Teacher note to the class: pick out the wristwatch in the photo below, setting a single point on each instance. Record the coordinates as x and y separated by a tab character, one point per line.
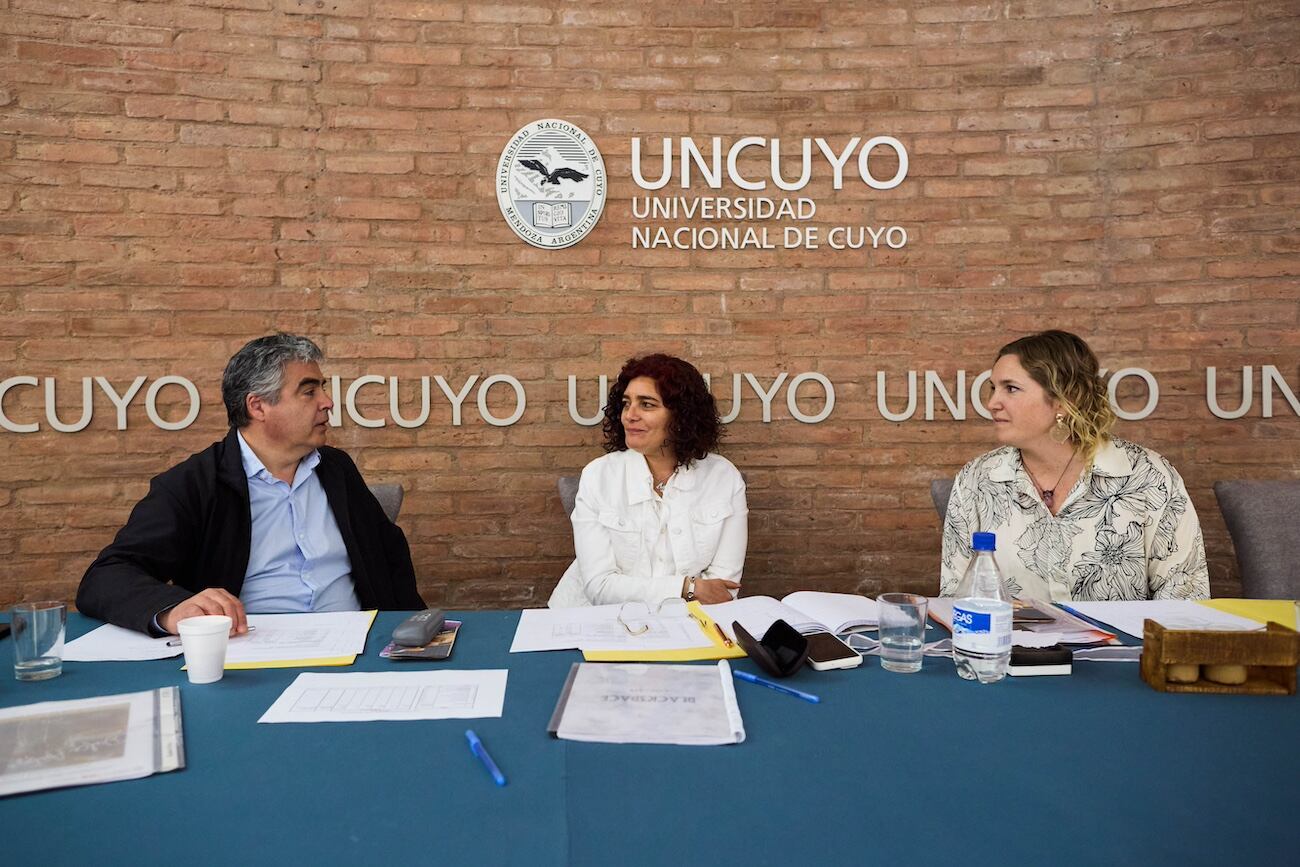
689	593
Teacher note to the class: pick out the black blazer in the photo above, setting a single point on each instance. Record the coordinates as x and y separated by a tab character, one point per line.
192	531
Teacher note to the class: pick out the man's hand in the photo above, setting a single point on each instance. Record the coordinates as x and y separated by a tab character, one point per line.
710	591
214	600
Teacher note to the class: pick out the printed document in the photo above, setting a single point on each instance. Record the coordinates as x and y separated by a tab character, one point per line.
334	637
1169	613
92	740
391	695
300	639
599	628
635	703
111	643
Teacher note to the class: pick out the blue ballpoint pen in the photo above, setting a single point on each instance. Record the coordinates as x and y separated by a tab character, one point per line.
745	675
476	747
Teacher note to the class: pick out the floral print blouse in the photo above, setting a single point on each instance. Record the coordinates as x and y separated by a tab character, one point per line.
1126	530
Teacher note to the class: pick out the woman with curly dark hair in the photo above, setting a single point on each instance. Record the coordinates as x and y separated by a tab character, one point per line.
662	514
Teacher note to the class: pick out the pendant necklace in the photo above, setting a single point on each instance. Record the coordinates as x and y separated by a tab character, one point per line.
1049	494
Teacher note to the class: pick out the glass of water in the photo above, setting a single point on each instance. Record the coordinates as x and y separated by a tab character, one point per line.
902	631
38	639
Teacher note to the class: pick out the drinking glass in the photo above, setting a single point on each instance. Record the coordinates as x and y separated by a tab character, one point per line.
38	630
902	631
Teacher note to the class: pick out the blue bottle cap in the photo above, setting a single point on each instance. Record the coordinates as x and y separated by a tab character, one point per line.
984	542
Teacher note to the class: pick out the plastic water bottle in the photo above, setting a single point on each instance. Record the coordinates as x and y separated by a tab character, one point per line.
981	616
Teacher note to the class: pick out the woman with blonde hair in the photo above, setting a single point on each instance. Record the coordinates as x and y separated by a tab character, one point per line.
1078	514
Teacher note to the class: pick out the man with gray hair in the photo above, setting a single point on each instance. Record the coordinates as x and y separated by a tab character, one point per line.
270	519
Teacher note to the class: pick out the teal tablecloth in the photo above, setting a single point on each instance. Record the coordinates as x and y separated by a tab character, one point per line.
1095	768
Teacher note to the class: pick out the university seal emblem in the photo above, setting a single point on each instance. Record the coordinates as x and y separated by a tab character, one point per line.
551	184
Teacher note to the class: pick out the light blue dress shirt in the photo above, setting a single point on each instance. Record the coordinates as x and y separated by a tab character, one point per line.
297	560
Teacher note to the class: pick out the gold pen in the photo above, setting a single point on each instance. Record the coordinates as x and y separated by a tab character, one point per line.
725	640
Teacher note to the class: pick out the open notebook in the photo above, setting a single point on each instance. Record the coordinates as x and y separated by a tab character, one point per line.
806	610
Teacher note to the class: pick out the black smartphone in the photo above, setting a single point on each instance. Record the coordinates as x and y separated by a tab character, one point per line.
825	652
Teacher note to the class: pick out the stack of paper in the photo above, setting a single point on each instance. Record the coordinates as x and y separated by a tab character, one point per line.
1169	613
274	641
299	640
599	628
1064	628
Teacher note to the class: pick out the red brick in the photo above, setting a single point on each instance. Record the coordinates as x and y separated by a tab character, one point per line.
419	10
1142	182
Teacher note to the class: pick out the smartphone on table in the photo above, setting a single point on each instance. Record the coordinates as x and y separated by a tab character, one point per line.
826	652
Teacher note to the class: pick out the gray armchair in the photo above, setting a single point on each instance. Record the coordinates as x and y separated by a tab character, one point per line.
1263	518
390	498
568	493
940	491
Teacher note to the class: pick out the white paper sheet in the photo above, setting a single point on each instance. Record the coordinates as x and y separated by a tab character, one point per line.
598	628
111	643
1169	613
287	637
393	695
276	638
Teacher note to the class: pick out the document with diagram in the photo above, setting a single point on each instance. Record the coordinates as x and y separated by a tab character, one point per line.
393	695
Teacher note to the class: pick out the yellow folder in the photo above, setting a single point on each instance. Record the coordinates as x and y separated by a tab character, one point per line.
1281	611
719	650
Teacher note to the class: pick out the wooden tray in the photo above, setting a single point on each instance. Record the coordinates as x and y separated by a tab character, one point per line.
1270	658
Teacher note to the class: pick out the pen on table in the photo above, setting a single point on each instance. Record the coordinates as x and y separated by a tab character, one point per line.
176	642
476	747
745	675
725	640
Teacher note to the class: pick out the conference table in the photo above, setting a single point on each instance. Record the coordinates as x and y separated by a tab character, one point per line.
1093	768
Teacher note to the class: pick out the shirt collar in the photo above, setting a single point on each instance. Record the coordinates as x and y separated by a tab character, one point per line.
254	468
1006	466
1110	460
640	482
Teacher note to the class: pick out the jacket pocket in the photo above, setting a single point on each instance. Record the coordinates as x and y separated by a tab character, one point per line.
624	537
707	520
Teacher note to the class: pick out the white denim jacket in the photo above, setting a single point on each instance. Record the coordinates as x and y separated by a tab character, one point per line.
631	548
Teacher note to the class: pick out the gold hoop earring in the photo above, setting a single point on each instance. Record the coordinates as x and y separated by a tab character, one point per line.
1060	432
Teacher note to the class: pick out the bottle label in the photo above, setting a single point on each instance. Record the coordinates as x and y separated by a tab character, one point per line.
971	621
982	632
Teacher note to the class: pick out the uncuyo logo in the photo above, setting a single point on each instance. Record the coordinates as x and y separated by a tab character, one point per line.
551	183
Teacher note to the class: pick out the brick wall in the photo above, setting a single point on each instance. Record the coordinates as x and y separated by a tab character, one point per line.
178	177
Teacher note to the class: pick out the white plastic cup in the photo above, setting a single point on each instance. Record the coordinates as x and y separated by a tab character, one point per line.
204	640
